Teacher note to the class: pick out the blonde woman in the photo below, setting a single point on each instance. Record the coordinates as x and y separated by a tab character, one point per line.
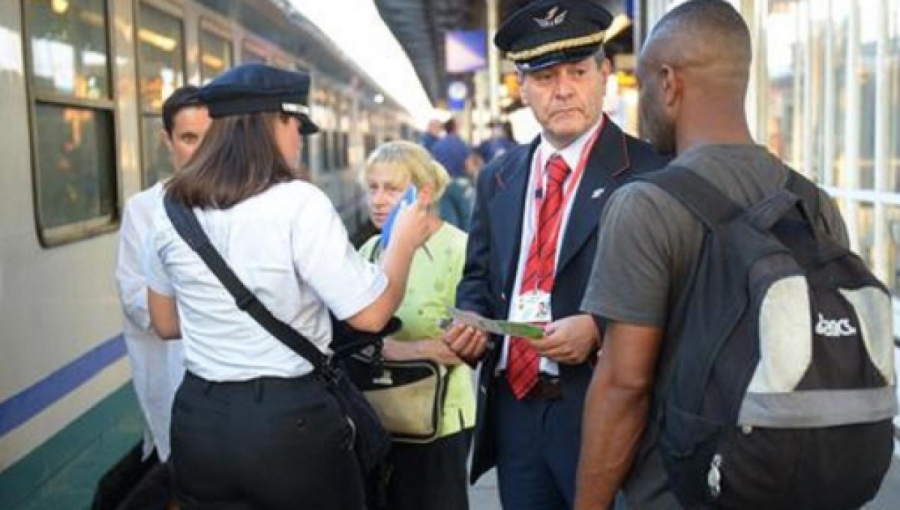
430	476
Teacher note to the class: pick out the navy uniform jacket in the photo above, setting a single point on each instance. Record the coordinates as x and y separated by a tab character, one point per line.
493	251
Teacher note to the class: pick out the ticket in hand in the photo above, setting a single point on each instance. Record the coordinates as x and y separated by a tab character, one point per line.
519	329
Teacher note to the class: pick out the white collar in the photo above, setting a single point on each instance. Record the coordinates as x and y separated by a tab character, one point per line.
571	153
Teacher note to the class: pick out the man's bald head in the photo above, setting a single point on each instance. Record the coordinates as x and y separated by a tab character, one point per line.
693	73
705	37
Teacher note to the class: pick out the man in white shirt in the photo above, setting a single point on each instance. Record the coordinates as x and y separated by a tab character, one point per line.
157	366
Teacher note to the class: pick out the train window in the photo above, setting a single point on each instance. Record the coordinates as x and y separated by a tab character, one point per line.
304	152
252	55
369	143
161	53
892	67
161	71
892	234
72	123
76	169
69	49
865	223
156	161
283	63
215	55
865	85
335	150
326	151
843	167
345	149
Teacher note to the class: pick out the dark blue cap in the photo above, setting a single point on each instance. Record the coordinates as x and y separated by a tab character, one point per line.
549	32
256	88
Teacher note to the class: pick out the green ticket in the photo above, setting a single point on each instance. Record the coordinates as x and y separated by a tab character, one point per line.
520	329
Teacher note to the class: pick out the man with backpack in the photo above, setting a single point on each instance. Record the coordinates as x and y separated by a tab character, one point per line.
747	358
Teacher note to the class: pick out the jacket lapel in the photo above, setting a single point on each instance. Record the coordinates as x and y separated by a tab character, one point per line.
606	165
507	207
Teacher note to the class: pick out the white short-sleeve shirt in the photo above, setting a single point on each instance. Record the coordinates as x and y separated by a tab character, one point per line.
289	247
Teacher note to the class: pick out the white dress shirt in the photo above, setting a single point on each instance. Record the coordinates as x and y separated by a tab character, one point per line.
572	156
157	366
289	247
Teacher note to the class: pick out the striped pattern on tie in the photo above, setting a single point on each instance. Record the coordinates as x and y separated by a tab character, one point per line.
540	269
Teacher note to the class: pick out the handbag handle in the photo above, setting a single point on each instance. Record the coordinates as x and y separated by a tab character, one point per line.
185	222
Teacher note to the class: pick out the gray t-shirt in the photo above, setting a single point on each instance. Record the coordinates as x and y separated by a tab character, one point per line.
648	243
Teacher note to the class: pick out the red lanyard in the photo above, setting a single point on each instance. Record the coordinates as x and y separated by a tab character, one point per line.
569	189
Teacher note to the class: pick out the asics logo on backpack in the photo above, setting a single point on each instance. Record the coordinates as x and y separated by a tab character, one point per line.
834	327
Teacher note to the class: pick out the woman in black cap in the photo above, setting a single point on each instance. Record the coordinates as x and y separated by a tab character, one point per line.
251	426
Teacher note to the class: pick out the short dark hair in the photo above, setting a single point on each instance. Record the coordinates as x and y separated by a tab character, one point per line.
450	126
183	97
709	22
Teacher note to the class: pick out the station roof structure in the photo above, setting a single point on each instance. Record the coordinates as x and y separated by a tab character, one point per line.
420	26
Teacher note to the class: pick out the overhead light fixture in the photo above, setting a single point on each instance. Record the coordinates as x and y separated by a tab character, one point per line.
92	18
59	6
154	39
212	61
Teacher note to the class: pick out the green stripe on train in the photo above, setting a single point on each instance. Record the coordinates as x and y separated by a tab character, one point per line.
64	471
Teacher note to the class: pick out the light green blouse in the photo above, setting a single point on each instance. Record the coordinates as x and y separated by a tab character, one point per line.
431	288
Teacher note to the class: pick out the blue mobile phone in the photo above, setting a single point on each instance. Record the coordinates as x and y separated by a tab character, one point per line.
409	197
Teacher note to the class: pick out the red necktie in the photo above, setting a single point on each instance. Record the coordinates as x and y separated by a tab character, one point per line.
540	269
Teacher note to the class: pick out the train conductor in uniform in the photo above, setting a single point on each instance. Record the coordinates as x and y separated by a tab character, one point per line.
530	250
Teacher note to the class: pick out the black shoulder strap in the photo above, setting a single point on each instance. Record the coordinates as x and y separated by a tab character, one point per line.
704	200
808	193
185	222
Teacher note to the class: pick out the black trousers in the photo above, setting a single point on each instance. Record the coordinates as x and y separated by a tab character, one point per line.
430	476
267	443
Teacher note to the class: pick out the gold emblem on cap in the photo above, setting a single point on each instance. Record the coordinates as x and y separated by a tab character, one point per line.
550	47
551	19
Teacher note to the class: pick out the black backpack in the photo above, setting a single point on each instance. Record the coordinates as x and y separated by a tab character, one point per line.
782	387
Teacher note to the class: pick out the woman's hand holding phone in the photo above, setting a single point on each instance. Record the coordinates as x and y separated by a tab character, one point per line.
410	222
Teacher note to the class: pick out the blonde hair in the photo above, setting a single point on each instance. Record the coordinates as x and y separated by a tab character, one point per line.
410	161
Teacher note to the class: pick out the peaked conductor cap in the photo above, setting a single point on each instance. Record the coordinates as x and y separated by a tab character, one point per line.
256	88
549	32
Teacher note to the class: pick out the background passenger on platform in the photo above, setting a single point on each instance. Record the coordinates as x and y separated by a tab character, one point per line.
693	75
432	134
451	151
499	142
530	250
252	427
157	367
430	476
459	197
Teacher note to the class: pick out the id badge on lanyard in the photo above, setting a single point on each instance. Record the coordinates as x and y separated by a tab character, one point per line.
533	305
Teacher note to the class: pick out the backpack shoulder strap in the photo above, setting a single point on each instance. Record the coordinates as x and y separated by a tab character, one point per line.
808	193
698	195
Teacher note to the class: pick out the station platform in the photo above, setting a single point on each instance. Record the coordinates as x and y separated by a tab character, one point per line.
484	495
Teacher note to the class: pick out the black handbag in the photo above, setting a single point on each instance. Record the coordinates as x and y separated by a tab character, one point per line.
371	442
